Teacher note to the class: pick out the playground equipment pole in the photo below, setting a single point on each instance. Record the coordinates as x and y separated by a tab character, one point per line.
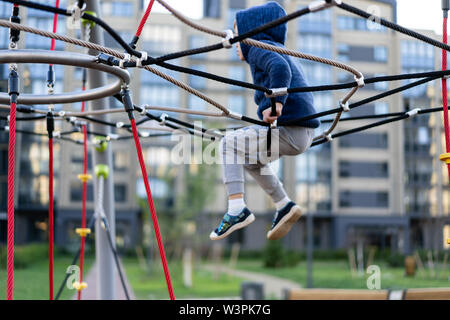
309	232
104	256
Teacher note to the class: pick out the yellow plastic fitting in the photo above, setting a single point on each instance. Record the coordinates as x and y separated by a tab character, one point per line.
79	286
445	157
84	177
83	232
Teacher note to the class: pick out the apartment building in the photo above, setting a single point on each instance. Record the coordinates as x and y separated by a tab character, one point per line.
378	187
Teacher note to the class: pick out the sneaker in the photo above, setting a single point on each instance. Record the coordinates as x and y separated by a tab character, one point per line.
284	220
232	223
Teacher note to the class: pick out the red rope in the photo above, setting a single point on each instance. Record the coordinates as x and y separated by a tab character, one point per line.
10	245
152	209
50	217
444	94
144	18
55	25
50	189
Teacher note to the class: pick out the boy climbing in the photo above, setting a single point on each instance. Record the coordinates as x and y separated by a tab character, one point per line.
271	70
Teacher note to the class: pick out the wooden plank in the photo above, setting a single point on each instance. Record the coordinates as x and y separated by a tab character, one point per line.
337	294
428	294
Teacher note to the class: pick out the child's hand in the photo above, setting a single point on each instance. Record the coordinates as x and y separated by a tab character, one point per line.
267	113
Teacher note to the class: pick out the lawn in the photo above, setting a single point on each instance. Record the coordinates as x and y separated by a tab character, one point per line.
31	283
152	285
336	274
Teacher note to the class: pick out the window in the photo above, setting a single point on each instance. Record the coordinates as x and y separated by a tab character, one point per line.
362	53
319	45
358	24
364	140
76	192
380	54
120	192
363	199
196	81
423	136
318	22
211	8
195	103
118	8
237	104
120	160
360	169
160	39
159	95
237	73
416	54
381	107
197	41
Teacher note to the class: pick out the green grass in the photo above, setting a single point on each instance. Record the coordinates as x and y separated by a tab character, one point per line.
152	285
336	274
31	282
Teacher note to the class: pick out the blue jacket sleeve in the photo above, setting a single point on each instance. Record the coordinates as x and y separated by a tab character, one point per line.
275	67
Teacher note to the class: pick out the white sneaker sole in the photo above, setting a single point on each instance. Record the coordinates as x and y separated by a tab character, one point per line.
237	226
284	226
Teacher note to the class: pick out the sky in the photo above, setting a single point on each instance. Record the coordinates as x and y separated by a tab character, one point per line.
420	14
416	14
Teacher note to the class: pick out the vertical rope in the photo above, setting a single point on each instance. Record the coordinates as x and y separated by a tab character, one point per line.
50	84
10	245
87	31
152	208
144	18
50	218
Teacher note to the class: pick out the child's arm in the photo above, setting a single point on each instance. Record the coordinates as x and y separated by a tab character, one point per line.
275	66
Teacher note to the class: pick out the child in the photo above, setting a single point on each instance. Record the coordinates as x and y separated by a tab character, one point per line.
271	70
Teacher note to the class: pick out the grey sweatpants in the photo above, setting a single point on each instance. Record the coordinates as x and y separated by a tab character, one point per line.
247	148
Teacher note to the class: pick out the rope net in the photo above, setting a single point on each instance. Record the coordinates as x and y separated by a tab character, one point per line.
131	58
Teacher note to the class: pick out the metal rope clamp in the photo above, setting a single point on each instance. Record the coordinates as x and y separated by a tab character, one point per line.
345	106
277	92
126	58
74	21
328	137
360	81
163	119
144	56
226	41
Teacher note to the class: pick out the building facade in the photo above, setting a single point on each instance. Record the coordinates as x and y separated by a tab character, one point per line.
378	187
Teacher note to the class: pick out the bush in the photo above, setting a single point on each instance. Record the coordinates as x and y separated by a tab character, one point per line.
24	255
273	254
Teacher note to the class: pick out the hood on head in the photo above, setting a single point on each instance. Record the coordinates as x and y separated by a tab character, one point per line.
254	17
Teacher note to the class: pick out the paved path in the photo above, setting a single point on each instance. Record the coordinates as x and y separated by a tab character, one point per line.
90	293
274	287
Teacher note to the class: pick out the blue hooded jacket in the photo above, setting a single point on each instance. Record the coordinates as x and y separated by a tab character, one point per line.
274	70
